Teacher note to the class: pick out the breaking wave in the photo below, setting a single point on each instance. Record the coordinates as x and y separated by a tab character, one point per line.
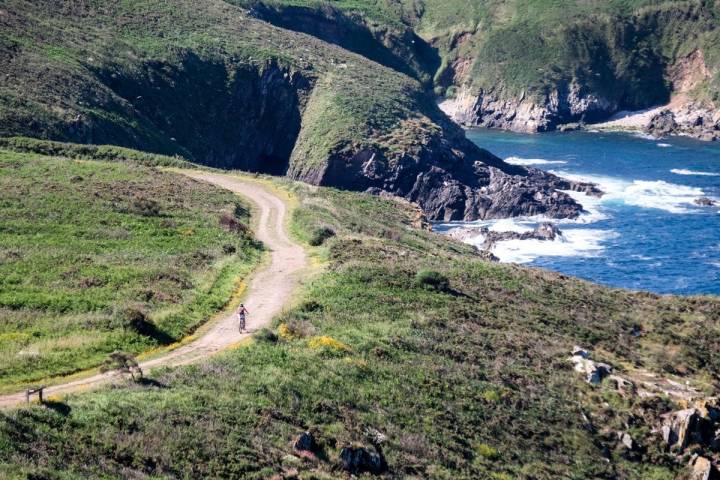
684	171
659	194
532	161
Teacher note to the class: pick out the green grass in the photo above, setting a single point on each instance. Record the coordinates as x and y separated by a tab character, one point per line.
84	242
468	382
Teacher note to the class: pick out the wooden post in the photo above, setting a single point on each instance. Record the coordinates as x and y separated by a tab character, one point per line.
30	391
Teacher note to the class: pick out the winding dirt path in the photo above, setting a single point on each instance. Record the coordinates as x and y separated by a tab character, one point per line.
269	289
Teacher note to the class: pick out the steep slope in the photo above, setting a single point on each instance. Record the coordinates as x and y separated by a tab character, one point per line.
214	84
407	349
533	65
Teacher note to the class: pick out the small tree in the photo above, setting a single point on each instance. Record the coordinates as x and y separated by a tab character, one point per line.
123	363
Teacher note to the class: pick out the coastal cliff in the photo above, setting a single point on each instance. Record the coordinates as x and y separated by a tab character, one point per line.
588	69
214	89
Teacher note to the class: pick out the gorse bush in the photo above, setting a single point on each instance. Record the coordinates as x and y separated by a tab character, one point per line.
432	280
124	363
319	235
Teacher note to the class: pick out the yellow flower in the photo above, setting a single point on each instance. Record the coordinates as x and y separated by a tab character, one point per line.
329	343
285	333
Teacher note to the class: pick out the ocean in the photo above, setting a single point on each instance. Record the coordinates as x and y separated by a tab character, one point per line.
645	233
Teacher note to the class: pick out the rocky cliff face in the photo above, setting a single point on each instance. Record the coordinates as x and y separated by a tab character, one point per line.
526	113
450	178
594	66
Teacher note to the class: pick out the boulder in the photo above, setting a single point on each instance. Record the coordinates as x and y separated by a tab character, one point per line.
662	124
305	442
687	426
705	202
702	469
594	372
360	459
626	440
578	351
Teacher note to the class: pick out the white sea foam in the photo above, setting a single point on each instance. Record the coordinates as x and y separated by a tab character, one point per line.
658	194
533	161
584	242
664	145
572	243
645	136
684	171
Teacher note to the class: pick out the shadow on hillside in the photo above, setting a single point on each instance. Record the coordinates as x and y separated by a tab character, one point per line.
60	407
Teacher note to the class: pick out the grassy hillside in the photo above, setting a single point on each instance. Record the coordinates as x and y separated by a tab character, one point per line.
208	81
99	256
461	373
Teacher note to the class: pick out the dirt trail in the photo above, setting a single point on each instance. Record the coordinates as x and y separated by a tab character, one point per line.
269	288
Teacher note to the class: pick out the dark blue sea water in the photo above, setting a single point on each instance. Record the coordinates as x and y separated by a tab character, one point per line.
645	233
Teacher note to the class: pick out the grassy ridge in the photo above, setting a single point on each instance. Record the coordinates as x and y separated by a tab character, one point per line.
208	82
97	257
465	381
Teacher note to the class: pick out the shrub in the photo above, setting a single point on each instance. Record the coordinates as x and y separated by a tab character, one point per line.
451	92
230	223
486	451
328	344
145	207
319	235
294	329
432	280
134	319
491	396
265	335
123	363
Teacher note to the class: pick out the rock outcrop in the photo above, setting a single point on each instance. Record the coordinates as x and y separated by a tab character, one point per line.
689	118
705	202
450	178
356	460
702	469
527	113
544	231
594	372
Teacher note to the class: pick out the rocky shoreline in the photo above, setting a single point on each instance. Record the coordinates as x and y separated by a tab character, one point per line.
568	109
